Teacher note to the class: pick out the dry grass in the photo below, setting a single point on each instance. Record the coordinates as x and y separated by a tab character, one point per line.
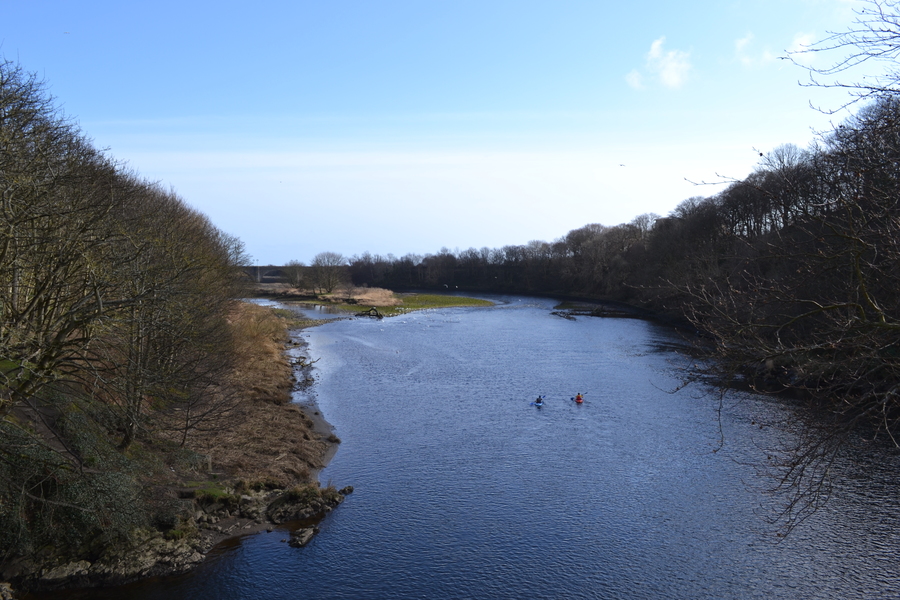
271	445
364	296
267	440
263	372
375	297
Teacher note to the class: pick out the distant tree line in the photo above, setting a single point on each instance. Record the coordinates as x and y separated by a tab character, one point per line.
114	304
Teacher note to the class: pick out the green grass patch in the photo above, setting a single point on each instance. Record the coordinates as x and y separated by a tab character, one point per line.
209	492
303	493
416	301
411	302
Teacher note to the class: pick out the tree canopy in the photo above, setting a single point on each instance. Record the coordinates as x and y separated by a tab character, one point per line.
114	298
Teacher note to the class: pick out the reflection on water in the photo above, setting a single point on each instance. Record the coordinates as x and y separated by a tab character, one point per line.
306	310
317	311
466	490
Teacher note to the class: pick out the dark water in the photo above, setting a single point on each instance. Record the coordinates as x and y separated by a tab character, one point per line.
466	490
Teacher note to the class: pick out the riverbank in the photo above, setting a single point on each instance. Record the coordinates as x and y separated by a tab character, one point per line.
253	469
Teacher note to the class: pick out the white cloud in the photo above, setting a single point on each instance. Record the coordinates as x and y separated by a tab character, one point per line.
748	56
799	48
741	44
635	79
671	67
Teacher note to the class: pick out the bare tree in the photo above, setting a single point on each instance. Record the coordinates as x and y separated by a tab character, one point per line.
873	37
645	223
58	242
167	350
114	298
809	304
294	271
328	270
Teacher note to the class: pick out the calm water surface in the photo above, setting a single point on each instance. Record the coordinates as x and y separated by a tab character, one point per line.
466	490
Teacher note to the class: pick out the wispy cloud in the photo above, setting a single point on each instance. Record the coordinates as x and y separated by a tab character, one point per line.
749	56
635	79
799	48
670	67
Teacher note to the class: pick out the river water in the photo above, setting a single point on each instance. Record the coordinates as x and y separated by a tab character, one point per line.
463	489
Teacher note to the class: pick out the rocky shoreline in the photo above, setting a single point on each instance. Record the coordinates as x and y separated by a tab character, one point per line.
152	554
266	480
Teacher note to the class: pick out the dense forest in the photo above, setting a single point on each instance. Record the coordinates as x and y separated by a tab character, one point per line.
114	305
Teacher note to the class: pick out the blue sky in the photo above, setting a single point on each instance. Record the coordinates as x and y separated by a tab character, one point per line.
403	126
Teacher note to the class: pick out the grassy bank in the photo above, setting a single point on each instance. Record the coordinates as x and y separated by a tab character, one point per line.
411	302
268	441
171	494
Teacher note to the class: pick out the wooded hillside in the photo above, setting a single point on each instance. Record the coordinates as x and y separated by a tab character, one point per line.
116	309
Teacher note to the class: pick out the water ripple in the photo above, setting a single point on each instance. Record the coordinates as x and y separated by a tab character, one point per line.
465	490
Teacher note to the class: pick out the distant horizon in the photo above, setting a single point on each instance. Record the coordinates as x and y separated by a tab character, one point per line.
455	250
402	128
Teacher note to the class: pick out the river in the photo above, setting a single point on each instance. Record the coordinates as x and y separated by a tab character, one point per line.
464	489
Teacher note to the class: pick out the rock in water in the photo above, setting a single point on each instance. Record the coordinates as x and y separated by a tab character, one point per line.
301	537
